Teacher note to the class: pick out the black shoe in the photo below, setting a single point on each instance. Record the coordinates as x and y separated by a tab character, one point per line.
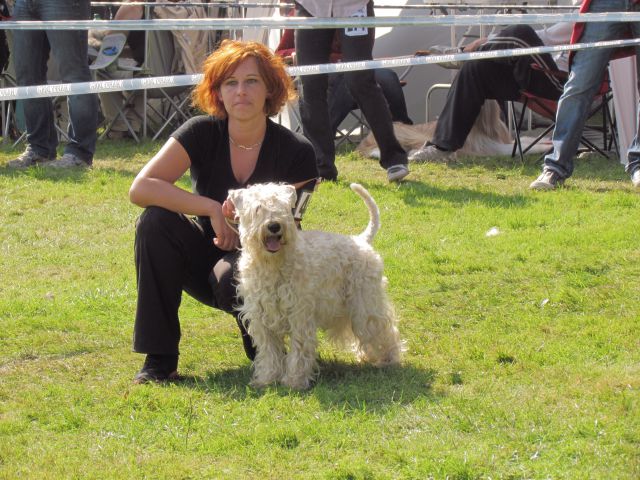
329	174
158	368
247	342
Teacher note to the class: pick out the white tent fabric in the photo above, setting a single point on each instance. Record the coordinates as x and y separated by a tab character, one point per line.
624	81
260	34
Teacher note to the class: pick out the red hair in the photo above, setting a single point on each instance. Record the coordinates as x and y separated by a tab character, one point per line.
221	64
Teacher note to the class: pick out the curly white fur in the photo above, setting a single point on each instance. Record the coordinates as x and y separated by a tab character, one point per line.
293	282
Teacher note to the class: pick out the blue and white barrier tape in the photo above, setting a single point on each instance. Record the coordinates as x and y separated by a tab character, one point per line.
15	93
425	6
311	23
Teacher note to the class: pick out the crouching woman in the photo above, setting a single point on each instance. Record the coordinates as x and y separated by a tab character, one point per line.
182	240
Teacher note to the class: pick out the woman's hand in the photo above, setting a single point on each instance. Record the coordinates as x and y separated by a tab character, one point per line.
229	210
226	239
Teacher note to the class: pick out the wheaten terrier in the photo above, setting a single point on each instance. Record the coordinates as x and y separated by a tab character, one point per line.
292	282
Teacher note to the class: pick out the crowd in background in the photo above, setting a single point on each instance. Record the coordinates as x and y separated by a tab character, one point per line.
324	100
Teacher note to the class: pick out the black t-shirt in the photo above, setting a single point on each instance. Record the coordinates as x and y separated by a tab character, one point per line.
284	156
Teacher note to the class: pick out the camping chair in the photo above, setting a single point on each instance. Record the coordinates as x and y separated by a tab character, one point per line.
547	108
109	64
10	130
352	129
164	107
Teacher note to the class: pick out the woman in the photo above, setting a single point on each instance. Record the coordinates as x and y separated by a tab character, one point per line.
232	147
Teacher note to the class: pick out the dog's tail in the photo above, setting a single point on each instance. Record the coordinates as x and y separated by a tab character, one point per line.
374	213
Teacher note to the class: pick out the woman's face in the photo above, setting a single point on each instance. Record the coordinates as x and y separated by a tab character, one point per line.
244	92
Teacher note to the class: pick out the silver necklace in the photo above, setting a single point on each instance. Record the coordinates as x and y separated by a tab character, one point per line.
245	147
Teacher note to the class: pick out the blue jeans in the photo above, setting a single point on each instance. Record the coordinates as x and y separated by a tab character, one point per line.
587	72
69	48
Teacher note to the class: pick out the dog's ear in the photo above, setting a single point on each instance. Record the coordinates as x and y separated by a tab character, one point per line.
293	196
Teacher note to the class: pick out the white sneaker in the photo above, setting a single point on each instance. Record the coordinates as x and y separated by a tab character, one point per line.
29	158
395	173
69	160
635	177
428	153
548	180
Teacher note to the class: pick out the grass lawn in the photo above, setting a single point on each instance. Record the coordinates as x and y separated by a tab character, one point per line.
523	353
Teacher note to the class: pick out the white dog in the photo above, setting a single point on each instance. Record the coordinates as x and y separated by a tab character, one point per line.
292	282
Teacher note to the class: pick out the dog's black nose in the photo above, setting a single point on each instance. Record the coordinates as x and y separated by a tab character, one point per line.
273	227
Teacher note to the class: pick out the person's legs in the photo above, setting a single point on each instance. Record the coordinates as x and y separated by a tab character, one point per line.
69	50
30	53
369	97
477	81
313	47
393	94
172	254
587	72
340	100
633	153
537	81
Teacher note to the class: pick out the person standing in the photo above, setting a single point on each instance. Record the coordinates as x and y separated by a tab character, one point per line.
313	46
587	69
31	50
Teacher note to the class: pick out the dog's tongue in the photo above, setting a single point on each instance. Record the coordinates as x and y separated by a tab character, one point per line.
272	244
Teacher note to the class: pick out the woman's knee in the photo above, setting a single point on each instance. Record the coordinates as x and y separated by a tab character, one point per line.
155	220
223	283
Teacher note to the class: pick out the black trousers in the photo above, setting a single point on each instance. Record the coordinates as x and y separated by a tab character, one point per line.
173	254
498	79
314	47
341	102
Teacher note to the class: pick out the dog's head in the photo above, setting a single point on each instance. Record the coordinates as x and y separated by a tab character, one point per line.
264	212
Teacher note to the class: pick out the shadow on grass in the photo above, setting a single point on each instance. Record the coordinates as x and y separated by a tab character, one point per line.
591	166
342	385
418	193
74	175
64	175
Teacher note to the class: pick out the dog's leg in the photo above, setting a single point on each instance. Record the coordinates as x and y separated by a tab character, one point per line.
378	340
300	362
268	364
374	325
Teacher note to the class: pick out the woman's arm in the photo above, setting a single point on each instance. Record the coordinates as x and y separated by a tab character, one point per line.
155	185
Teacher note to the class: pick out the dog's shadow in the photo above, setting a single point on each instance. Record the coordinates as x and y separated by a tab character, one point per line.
340	384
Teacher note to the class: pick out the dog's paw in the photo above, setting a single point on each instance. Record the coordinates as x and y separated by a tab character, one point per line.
297	383
258	384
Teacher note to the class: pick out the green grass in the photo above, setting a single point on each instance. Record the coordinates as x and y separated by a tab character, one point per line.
523	353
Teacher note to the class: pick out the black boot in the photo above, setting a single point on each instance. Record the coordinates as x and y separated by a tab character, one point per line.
158	368
247	342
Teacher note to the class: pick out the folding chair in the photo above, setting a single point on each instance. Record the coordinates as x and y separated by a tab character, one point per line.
355	128
164	107
108	65
547	108
10	130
